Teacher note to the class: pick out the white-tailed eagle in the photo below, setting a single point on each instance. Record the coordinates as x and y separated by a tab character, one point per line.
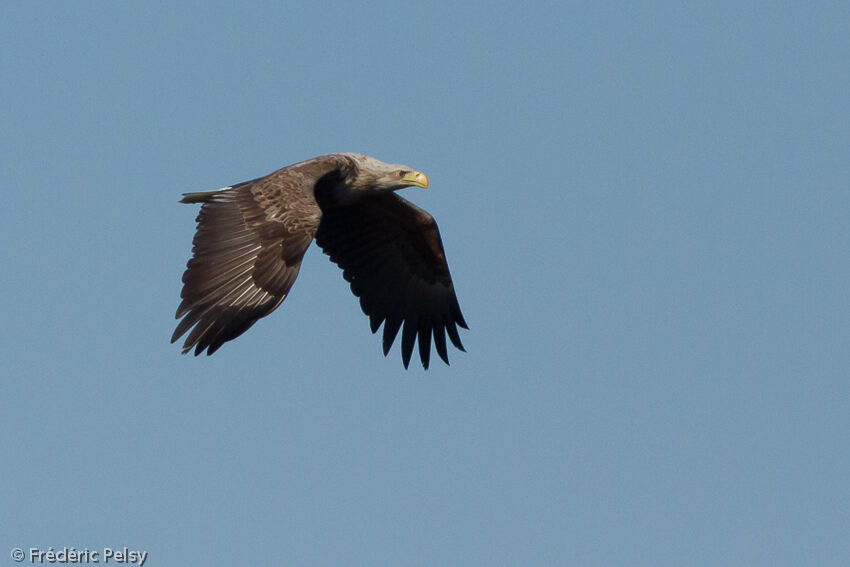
252	236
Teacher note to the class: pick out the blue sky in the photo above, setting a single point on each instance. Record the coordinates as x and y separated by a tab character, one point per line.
645	210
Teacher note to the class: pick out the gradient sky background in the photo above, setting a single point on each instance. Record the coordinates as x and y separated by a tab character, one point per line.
647	216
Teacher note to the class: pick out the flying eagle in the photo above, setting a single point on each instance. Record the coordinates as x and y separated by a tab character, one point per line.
252	236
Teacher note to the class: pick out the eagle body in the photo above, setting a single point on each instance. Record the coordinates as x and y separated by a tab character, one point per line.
252	236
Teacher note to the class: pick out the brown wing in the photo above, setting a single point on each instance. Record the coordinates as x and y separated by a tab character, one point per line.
246	254
391	253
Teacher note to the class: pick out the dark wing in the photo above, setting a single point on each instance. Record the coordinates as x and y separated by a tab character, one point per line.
246	254
391	253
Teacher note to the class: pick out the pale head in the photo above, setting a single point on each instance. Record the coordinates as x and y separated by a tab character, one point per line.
372	175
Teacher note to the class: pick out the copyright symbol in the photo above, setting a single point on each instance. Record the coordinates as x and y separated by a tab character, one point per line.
18	554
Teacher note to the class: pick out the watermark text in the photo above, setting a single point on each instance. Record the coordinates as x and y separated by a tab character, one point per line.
107	555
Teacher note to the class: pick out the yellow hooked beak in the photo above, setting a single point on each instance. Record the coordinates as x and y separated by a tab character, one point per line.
415	179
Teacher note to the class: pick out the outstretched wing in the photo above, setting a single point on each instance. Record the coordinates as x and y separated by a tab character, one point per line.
391	253
246	254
